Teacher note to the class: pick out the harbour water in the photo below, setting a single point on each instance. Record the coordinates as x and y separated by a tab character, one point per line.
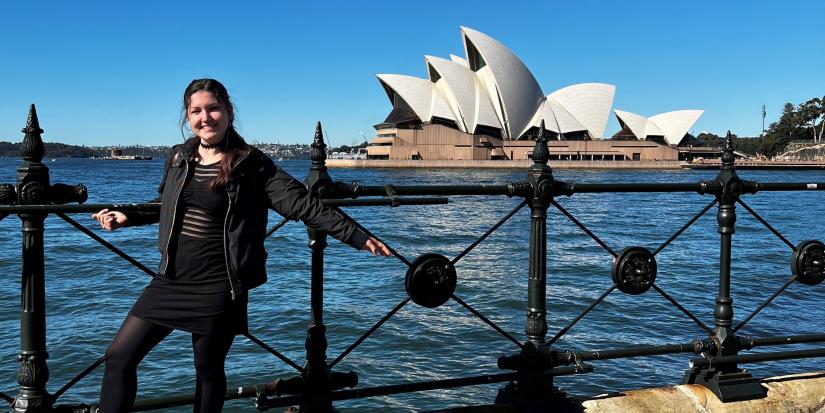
89	290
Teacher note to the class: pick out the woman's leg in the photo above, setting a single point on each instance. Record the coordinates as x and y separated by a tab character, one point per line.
132	342
210	384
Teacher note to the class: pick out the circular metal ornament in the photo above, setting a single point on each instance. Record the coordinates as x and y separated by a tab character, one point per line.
431	280
808	262
634	270
32	192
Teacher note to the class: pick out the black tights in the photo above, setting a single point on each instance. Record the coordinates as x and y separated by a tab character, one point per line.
134	340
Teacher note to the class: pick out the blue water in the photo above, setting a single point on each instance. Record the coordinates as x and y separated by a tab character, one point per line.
90	290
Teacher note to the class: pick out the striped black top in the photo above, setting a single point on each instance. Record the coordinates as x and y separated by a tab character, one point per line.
195	296
199	253
205	209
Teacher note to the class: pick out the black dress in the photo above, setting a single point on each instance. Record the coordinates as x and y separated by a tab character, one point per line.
194	295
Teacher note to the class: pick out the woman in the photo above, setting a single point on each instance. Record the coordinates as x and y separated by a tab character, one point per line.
215	195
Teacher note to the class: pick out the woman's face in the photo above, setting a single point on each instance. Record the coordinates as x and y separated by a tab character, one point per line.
207	117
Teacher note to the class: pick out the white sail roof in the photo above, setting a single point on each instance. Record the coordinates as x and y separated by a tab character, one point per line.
440	107
589	103
417	92
464	94
567	121
460	60
420	95
671	125
636	123
674	125
518	90
545	113
556	118
485	113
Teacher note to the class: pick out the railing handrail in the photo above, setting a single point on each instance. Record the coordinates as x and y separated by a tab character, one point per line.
356	192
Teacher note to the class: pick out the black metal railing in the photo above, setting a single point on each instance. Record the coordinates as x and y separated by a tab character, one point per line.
431	281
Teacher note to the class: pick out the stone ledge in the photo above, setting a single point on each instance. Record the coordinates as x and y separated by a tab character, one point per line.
794	393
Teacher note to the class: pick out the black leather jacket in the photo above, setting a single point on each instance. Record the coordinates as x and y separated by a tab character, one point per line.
256	186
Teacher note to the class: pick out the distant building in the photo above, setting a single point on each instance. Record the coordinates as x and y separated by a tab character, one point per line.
117	153
489	106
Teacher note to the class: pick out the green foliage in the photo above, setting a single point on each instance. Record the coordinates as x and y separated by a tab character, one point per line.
812	113
62	150
745	145
749	146
711	139
51	150
797	123
788	128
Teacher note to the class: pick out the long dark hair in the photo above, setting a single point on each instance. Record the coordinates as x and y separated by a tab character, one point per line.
233	144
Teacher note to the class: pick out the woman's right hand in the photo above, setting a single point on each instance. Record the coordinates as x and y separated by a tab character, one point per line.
110	220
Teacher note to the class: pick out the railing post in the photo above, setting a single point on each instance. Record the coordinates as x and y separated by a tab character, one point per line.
727	381
32	186
540	177
726	220
317	381
534	393
317	378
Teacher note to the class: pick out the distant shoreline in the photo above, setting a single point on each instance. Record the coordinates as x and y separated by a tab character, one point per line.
56	150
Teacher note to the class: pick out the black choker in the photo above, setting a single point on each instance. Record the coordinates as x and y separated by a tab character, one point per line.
210	145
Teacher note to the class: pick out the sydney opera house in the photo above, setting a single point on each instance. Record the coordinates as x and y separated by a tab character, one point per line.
488	106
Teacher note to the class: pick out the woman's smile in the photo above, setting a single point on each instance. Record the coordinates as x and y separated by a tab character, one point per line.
207	117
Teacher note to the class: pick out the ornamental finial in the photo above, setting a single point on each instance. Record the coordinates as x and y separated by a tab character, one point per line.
319	152
32	147
727	155
540	151
542	131
319	135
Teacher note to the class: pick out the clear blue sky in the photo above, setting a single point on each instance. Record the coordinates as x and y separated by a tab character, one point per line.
111	72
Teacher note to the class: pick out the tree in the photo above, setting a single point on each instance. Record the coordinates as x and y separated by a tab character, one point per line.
747	145
810	113
781	132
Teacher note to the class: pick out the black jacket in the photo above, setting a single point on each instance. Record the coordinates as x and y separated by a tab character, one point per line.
257	185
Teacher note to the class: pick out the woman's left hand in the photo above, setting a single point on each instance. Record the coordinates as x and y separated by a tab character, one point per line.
376	247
